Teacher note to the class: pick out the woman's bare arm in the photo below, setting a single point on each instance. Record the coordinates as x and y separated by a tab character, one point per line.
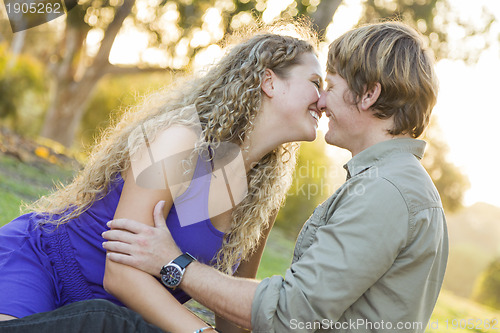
136	289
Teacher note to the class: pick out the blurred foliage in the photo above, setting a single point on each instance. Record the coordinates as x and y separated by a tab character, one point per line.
487	289
77	49
450	181
465	264
311	185
474	243
22	90
435	19
113	95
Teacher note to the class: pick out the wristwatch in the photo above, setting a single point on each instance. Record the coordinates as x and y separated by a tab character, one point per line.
171	273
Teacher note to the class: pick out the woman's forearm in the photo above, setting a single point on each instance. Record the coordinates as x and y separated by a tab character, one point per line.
142	293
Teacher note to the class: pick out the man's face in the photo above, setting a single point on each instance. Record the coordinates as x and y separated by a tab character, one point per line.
345	126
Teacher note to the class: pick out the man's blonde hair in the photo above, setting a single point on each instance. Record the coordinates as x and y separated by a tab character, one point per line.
392	54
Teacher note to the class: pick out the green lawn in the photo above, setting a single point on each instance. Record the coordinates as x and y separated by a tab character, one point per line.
23	183
20	182
277	255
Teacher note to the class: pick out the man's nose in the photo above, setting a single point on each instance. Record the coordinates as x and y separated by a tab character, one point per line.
322	102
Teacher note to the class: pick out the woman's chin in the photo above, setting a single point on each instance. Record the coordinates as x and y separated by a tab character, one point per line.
308	137
312	138
313	135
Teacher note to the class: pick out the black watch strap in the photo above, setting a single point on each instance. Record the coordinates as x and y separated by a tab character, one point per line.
183	260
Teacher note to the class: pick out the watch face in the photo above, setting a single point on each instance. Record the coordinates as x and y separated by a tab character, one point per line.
171	276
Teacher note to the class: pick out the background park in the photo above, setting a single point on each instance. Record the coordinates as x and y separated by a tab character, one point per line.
62	82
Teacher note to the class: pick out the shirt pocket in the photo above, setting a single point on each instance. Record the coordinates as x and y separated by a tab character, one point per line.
308	233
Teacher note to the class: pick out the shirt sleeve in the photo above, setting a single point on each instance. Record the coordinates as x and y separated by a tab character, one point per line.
350	249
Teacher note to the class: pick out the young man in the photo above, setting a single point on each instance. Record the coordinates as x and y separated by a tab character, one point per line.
372	257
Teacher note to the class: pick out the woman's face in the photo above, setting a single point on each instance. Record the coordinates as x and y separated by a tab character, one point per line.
297	97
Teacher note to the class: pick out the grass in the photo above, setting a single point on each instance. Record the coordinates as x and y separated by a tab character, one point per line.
20	182
23	183
456	314
277	255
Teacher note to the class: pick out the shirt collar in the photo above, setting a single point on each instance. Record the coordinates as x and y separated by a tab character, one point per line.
368	157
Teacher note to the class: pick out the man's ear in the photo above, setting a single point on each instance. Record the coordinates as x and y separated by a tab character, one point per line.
370	97
268	82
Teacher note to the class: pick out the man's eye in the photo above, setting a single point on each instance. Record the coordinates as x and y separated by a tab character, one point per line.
316	83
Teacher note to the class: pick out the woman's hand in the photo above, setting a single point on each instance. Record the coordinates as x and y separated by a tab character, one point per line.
141	246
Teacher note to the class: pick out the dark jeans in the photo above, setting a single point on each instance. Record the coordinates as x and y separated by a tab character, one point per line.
92	316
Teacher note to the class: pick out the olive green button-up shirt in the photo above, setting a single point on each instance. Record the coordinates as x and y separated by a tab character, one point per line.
371	258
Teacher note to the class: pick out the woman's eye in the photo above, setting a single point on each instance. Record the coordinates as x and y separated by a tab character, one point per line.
316	83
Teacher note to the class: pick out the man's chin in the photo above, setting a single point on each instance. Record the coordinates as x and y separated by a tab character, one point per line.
328	139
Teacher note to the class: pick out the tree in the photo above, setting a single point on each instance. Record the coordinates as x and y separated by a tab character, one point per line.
320	13
487	289
113	95
180	28
433	19
449	180
73	81
465	264
21	80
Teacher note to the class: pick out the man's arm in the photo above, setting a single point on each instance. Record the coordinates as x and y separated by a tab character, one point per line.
229	297
247	269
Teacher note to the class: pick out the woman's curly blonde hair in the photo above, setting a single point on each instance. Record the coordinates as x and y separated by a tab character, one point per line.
227	99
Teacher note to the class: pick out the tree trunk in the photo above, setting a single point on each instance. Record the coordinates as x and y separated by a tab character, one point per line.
16	47
68	95
66	110
71	94
323	15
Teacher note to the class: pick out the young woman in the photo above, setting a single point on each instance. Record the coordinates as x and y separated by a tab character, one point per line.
260	97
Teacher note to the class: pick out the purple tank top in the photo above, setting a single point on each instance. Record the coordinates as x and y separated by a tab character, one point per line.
79	259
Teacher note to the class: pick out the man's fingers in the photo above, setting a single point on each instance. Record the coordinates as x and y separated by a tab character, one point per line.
119	235
127	224
118	247
158	215
120	258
